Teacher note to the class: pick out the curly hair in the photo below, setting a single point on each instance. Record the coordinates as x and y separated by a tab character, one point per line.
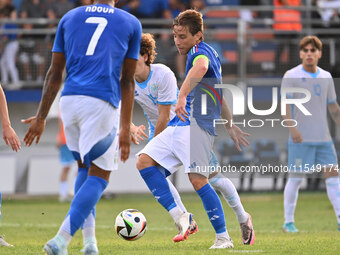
148	46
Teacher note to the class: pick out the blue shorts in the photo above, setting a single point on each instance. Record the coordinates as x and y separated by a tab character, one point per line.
311	157
66	156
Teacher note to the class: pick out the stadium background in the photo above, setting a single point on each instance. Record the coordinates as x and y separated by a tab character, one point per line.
248	50
242	32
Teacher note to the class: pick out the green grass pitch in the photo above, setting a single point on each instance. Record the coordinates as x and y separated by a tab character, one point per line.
28	224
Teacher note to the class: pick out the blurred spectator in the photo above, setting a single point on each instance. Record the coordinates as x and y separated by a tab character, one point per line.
221	2
197	4
329	10
59	8
175	7
288	23
66	161
17	4
148	8
248	15
10	47
82	2
33	45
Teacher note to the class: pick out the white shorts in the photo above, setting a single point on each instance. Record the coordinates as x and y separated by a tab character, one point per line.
171	148
91	129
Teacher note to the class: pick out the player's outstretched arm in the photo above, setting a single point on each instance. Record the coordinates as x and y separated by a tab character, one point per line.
51	87
8	133
195	74
334	110
127	85
235	133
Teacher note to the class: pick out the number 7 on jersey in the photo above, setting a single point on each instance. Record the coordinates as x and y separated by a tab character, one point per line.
102	22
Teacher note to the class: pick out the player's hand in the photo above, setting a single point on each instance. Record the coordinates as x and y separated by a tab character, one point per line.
124	143
238	136
11	138
137	134
35	130
296	135
181	113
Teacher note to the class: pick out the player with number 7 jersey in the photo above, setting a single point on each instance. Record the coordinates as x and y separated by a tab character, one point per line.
98	44
96	39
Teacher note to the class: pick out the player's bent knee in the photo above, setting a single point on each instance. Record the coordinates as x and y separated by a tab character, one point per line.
197	180
213	174
145	161
97	171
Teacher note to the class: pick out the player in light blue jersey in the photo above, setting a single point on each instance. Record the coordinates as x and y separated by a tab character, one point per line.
10	138
310	146
156	92
189	142
97	43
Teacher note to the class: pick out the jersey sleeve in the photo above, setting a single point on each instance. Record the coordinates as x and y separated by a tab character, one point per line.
196	53
287	82
59	42
331	95
167	91
135	40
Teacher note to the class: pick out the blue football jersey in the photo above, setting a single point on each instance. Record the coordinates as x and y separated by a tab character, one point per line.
95	40
214	96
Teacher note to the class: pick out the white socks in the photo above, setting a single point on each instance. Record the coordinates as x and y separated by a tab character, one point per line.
176	213
290	198
176	196
63	238
224	235
229	192
333	192
89	228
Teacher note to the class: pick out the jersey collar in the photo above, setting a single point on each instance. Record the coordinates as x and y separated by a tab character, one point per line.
143	84
313	75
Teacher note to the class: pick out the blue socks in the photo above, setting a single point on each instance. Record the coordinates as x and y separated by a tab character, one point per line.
84	201
81	178
158	186
213	207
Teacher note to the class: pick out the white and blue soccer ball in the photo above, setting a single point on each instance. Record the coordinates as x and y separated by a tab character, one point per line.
130	224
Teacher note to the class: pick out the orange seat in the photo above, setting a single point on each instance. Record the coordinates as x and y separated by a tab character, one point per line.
263	36
226	36
222	14
231	56
259	56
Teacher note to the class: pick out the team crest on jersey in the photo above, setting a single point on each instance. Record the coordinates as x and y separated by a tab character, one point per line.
136	93
317	89
153	88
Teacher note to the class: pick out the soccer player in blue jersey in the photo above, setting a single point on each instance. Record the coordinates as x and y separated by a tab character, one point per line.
189	141
99	45
156	92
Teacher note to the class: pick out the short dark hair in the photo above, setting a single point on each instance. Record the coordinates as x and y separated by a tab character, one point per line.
148	46
192	19
311	39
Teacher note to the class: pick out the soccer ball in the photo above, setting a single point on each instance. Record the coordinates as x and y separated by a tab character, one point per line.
130	224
